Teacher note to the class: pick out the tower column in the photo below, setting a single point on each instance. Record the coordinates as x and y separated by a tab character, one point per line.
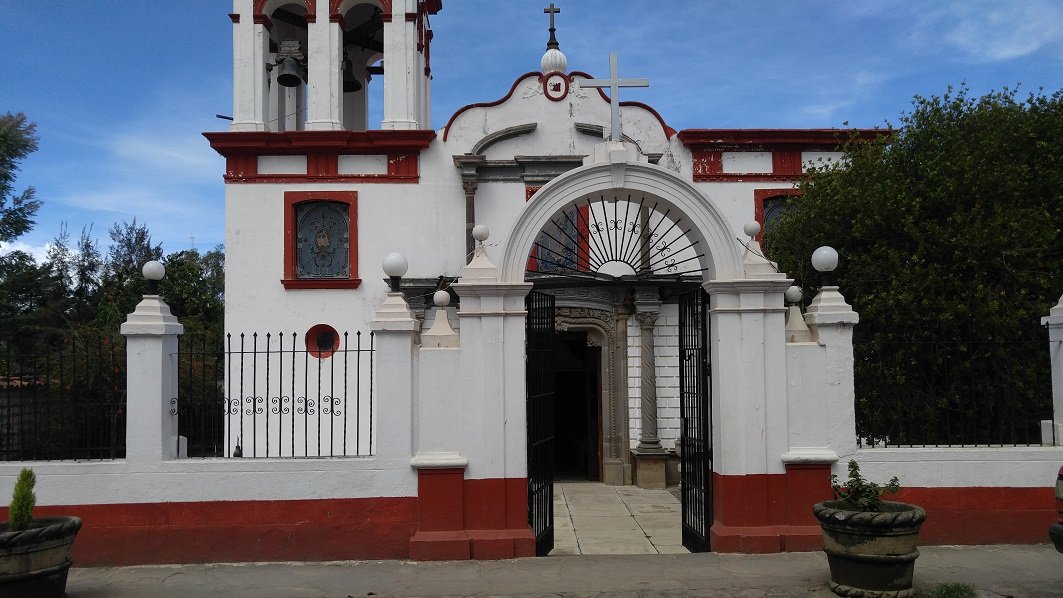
400	80
325	79
250	50
650	457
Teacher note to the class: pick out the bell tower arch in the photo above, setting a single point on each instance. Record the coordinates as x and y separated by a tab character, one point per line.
307	64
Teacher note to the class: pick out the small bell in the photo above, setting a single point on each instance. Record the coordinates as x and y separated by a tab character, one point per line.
288	73
350	83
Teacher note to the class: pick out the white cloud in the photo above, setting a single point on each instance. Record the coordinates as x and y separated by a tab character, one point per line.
991	31
39	252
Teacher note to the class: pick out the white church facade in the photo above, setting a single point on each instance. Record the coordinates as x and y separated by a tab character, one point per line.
577	290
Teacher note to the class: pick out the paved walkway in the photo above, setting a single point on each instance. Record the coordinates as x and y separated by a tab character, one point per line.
592	518
995	571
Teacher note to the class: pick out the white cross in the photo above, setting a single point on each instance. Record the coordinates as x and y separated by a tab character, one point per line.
614	83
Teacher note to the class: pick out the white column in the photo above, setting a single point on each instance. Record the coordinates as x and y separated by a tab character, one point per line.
250	49
325	79
151	380
400	63
1054	322
747	342
395	327
831	320
439	392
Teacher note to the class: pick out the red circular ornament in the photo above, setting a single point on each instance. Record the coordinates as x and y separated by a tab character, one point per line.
555	86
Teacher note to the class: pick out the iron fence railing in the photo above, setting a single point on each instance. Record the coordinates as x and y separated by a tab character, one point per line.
952	393
67	403
272	395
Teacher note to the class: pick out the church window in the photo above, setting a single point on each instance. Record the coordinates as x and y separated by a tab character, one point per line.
320	240
769	206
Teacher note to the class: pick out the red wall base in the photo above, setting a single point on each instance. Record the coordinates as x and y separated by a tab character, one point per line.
204	532
773	512
471	519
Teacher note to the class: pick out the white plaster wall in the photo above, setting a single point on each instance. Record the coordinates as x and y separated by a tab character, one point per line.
735	200
666	353
819	159
634	381
746	162
282	165
363	164
1018	467
555	133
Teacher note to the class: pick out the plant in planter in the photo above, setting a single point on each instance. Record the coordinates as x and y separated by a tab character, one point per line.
871	544
34	553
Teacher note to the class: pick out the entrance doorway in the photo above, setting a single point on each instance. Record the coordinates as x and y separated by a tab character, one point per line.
577	408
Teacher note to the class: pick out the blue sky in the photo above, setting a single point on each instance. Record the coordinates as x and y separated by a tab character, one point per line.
121	90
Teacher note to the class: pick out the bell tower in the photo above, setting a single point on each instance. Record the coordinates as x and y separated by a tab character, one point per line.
307	65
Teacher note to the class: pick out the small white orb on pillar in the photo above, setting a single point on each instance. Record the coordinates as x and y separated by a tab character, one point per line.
441	299
395	266
825	259
751	228
793	294
153	272
480	232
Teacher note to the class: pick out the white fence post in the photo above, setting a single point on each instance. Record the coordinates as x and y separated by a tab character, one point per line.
1054	322
151	380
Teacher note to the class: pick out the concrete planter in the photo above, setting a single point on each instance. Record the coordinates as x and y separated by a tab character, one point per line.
871	554
35	561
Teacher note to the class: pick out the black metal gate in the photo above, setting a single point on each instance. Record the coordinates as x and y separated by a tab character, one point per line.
540	406
696	412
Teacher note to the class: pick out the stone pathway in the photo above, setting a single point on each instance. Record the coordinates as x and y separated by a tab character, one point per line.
592	518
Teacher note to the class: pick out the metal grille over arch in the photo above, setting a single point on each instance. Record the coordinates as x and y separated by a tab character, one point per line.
616	236
703	224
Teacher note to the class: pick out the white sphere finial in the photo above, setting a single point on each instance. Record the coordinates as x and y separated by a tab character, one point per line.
153	270
825	259
751	228
441	298
395	264
793	294
480	232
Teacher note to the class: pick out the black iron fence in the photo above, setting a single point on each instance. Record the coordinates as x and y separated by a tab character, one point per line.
67	403
274	395
952	393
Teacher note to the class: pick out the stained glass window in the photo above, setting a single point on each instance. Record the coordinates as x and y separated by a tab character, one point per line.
322	240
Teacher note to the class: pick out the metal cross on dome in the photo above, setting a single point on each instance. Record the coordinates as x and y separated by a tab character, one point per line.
614	83
552	10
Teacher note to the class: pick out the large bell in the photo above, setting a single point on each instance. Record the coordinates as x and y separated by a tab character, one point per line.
288	73
350	83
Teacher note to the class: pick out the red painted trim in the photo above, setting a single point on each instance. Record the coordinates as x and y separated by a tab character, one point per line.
291	200
786	161
310	5
583	249
453	117
322	149
768	139
264	21
759	197
310	340
241	531
561	93
303	142
706	163
339	20
234	17
773	512
746	178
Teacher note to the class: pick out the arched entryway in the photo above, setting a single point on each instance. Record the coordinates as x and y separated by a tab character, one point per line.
628	198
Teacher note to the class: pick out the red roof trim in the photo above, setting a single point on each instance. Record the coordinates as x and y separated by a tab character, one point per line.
719	138
300	142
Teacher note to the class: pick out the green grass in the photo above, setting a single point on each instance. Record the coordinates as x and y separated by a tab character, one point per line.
948	590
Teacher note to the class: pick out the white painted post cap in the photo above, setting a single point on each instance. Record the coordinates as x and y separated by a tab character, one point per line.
751	228
395	264
153	270
825	259
441	298
480	232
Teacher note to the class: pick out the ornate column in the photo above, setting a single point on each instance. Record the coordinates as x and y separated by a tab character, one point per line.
650	457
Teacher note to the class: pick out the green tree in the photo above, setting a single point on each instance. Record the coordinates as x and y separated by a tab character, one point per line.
18	139
949	231
194	288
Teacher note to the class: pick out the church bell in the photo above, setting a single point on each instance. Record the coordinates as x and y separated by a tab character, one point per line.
288	73
350	83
